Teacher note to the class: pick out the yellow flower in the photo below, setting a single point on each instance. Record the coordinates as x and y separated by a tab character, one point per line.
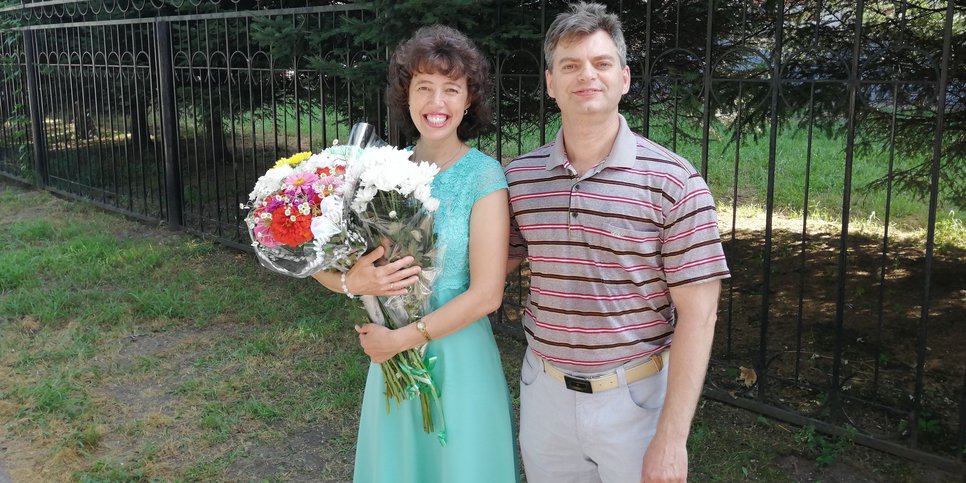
293	160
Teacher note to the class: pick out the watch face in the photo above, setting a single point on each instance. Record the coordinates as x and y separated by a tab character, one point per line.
421	326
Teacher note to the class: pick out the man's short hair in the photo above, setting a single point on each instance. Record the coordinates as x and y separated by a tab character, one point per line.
582	20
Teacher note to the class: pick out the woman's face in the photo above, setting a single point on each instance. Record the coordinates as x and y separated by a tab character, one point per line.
436	105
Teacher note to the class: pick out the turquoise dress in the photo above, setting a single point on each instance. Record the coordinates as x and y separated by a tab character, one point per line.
480	446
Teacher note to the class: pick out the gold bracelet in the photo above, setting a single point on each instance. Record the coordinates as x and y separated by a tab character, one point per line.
421	326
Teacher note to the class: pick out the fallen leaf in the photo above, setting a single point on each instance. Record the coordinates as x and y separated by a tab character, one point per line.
747	375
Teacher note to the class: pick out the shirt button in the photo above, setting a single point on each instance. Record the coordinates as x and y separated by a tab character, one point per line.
573	214
576	187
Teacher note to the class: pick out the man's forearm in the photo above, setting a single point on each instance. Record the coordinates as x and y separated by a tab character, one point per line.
688	365
690	352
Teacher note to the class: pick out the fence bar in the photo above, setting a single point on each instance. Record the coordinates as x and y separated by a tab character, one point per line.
36	117
169	126
761	363
835	383
931	226
706	87
961	445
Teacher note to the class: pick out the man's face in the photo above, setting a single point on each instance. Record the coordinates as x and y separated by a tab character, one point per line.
586	76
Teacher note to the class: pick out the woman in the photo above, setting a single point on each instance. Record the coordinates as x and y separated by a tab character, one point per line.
438	85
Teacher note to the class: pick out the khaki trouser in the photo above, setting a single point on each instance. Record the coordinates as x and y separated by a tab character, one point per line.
568	436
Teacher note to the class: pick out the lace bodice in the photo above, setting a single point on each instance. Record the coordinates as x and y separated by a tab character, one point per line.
472	177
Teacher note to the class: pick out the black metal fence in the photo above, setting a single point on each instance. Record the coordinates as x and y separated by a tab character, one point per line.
841	313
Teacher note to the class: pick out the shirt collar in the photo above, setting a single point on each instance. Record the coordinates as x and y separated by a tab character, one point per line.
623	153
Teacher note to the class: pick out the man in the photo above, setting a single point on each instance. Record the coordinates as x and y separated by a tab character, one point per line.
625	255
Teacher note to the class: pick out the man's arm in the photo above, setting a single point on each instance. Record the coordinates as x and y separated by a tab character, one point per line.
512	264
666	459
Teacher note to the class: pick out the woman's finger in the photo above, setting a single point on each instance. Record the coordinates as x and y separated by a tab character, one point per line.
401	263
372	256
406	282
404	274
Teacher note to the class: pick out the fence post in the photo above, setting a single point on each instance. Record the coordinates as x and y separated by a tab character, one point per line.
169	125
36	118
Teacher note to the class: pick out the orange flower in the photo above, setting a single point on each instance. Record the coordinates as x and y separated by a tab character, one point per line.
293	229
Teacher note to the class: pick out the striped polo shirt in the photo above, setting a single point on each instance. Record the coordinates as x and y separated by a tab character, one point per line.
604	247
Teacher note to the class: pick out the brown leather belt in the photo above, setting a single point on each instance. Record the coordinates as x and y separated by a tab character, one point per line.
647	368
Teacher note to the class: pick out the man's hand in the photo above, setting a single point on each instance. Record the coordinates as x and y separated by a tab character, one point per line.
665	462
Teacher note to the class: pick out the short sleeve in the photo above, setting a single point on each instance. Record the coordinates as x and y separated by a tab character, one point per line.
490	177
692	250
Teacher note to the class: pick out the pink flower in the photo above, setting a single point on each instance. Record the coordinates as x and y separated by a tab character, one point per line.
263	234
327	185
301	180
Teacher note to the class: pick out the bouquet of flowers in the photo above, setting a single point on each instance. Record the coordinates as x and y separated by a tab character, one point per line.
312	212
390	204
297	219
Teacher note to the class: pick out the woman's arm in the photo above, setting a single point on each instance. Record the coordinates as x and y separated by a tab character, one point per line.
366	278
489	235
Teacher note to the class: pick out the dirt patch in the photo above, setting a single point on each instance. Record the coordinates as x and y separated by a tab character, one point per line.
860	342
301	456
801	469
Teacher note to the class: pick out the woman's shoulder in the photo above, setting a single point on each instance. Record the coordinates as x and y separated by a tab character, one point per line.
482	161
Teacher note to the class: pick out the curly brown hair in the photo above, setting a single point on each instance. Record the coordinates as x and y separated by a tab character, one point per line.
438	49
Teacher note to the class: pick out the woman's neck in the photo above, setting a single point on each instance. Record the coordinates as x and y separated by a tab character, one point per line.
441	153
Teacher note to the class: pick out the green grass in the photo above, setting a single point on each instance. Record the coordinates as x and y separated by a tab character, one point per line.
135	354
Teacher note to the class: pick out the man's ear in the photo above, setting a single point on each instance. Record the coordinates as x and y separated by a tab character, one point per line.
549	79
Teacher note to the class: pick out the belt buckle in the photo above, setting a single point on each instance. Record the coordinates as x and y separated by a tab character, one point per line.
578	384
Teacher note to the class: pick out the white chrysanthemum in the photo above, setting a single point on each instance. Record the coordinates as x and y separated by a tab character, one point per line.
388	169
270	182
431	204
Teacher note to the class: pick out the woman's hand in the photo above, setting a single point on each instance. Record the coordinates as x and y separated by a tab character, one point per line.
387	279
378	342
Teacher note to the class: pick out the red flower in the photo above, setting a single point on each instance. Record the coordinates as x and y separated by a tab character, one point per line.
289	232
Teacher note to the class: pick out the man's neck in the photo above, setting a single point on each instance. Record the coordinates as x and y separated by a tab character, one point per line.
588	141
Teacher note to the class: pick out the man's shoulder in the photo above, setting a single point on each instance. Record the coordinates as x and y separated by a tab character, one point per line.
536	158
657	157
